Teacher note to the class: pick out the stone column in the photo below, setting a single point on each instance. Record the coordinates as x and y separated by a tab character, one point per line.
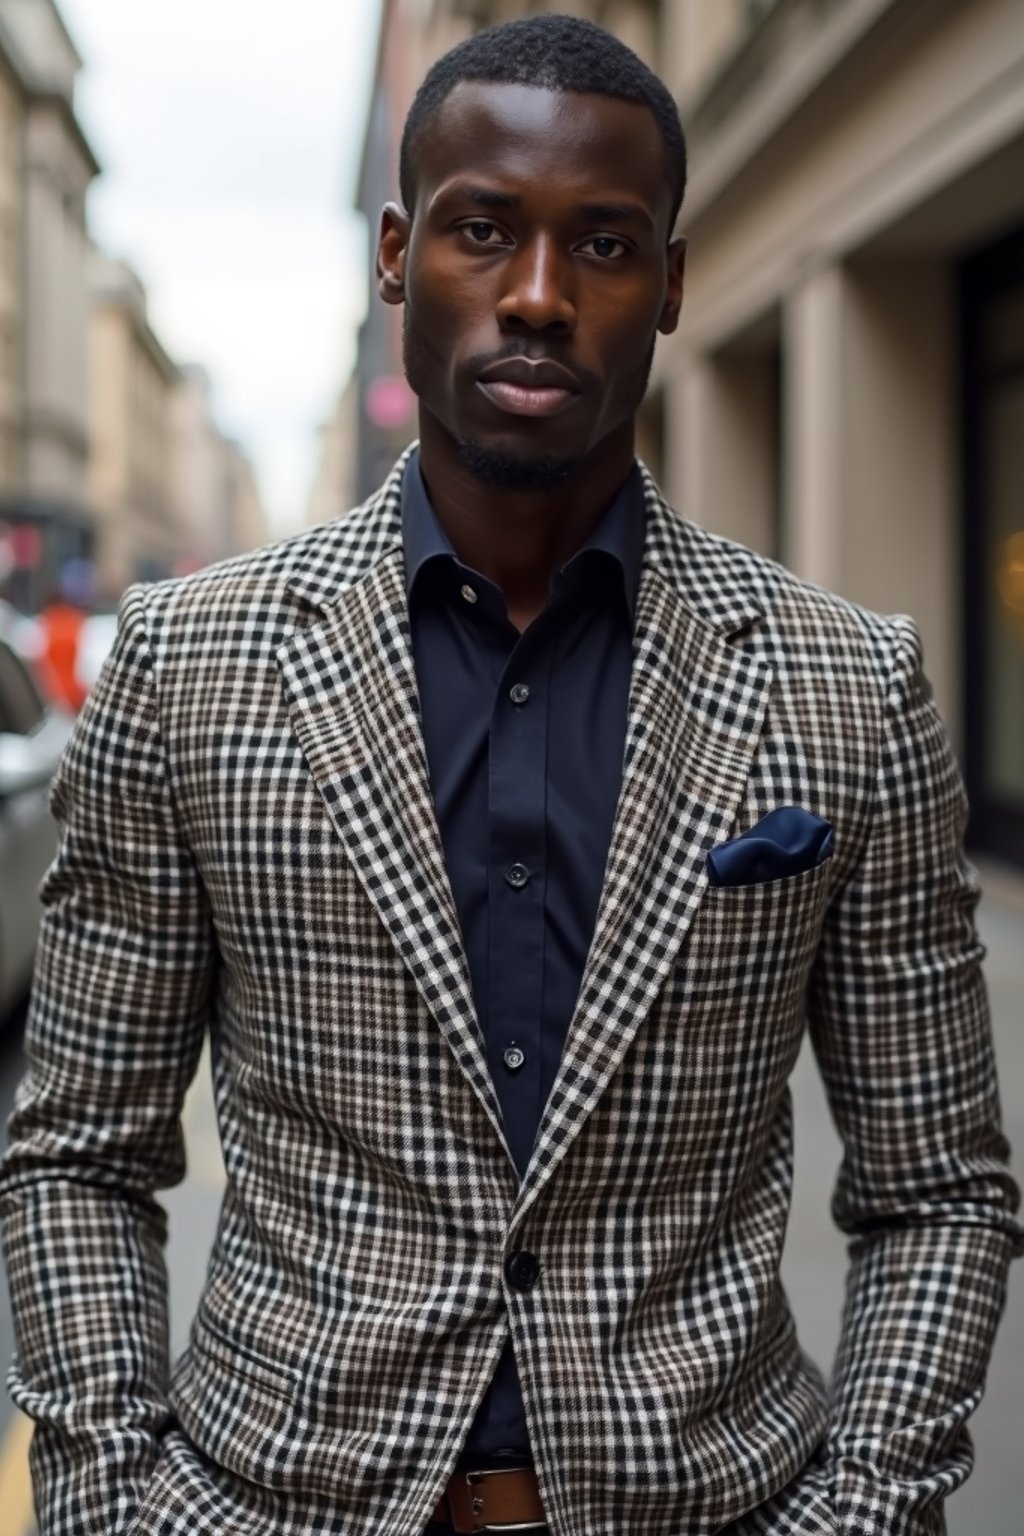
722	445
869	445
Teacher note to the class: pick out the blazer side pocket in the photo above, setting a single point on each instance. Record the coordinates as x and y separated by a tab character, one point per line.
214	1339
239	1406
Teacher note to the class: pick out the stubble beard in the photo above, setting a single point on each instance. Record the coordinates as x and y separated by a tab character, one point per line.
522	471
517	472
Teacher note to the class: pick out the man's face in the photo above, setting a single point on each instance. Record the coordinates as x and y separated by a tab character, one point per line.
536	272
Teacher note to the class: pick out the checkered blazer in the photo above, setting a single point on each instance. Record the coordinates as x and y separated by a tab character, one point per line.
249	849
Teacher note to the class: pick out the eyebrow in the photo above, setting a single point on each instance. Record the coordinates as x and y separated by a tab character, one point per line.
486	197
616	213
601	213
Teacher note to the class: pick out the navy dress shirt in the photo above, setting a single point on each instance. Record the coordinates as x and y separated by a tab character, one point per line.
524	736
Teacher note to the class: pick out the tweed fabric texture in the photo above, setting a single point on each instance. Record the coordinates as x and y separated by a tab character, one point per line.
249	850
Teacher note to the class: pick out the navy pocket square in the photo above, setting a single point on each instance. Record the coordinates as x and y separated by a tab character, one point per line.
784	843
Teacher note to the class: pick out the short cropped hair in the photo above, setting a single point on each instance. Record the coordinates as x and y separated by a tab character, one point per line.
554	53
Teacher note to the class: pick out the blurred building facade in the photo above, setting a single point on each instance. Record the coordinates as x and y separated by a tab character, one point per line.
334	484
46	166
846	391
110	461
413	33
131	388
245	517
214	488
169	492
12	129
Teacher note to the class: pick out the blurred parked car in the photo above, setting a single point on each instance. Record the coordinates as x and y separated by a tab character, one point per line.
24	635
32	737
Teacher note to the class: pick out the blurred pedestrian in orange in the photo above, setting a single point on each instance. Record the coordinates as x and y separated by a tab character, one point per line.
62	622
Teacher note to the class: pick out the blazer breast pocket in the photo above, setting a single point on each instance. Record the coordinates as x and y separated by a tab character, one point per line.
748	961
790	902
787	842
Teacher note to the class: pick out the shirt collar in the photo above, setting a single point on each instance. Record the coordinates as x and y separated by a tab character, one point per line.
619	534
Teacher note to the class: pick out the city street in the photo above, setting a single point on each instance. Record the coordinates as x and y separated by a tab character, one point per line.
992	1501
246	397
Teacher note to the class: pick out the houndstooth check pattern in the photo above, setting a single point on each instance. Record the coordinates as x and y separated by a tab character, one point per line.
249	849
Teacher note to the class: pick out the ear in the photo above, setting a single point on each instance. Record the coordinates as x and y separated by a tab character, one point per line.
674	290
392	246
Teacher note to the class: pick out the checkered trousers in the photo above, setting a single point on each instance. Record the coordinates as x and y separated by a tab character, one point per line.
249	850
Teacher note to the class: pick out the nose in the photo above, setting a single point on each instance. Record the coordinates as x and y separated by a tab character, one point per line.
539	291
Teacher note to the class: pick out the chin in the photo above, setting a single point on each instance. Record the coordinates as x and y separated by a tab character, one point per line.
518	469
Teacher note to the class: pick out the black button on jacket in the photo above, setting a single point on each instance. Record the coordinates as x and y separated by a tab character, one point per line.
524	736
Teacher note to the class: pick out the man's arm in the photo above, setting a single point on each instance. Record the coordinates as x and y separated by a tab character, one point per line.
899	1021
115	1028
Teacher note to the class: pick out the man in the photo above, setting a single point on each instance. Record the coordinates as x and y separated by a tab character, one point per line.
503	835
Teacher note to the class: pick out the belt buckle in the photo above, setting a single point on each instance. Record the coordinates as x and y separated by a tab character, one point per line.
477	1505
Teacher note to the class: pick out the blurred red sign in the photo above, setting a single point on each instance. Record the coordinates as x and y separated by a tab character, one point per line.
389	402
26	545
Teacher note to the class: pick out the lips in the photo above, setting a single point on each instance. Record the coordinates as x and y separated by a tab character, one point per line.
525	388
538	373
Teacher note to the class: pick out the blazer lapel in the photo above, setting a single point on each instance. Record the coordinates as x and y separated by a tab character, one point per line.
350	684
696	710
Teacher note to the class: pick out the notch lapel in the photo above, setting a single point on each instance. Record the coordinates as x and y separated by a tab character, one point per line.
696	711
350	683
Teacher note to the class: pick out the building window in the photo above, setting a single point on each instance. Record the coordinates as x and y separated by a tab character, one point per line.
993	544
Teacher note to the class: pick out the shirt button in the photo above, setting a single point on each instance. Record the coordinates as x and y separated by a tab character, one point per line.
522	1270
514	1057
516	876
519	693
467	592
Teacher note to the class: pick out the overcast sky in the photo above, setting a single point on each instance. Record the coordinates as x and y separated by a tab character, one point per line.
229	134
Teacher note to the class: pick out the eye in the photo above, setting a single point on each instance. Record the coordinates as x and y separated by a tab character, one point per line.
605	247
483	232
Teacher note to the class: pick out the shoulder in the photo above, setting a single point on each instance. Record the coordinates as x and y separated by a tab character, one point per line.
251	603
801	629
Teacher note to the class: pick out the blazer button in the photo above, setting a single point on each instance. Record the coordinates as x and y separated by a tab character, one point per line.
522	1270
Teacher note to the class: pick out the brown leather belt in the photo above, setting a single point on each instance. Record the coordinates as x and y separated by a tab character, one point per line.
495	1499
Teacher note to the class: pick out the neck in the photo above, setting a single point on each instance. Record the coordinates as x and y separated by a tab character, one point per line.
519	538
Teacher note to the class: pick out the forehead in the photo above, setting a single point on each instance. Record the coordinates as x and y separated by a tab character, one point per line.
545	140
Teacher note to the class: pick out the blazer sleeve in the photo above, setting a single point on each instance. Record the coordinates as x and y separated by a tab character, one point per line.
115	1027
899	1021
